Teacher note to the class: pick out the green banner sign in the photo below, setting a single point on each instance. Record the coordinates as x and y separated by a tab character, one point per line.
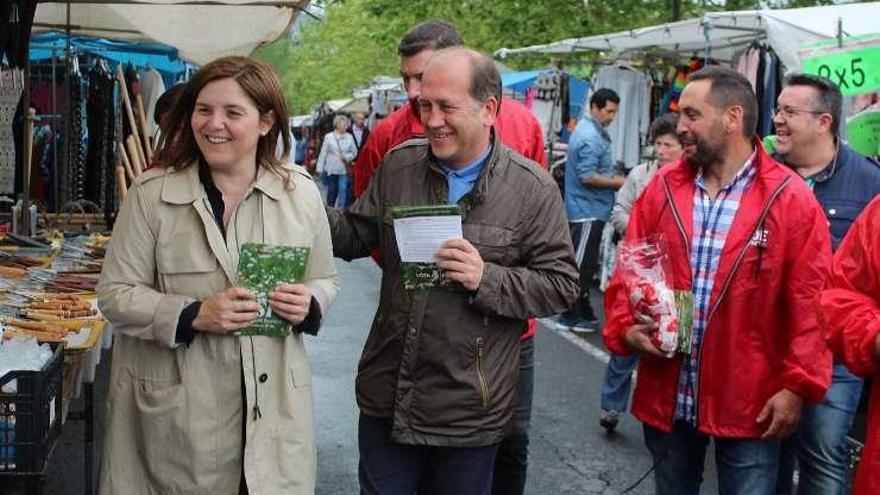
854	66
863	132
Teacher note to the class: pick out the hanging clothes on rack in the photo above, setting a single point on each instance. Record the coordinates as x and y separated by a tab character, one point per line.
17	18
101	154
547	105
73	175
761	66
629	130
152	87
10	96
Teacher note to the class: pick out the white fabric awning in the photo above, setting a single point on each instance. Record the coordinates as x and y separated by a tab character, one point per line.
201	30
721	33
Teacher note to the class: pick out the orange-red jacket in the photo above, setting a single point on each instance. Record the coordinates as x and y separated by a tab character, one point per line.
850	317
763	333
516	126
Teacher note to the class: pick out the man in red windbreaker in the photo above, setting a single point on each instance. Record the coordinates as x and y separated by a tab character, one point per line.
850	315
517	128
749	249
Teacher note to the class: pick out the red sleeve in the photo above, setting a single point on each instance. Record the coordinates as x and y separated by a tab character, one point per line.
370	157
538	154
806	369
850	303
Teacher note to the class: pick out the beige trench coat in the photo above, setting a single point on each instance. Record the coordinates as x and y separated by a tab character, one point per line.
174	413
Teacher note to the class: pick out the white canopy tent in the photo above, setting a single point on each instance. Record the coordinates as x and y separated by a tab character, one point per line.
720	34
201	30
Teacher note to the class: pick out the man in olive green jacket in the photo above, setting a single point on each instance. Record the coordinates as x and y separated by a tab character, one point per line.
437	379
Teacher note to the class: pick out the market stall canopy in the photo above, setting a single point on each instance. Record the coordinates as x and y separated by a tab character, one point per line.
201	30
44	46
720	34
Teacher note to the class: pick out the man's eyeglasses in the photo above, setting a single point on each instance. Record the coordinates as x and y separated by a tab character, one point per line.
789	112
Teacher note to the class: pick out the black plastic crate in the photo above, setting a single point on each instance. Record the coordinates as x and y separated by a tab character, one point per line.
30	418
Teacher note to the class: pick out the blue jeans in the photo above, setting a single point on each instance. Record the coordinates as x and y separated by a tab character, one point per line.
820	441
618	380
337	190
513	453
390	468
744	466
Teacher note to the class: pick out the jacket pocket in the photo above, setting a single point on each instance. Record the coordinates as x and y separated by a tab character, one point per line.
183	271
482	382
841	214
300	373
495	243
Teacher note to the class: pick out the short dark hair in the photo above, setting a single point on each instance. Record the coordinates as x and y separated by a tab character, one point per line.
728	88
830	100
435	34
664	125
602	96
165	102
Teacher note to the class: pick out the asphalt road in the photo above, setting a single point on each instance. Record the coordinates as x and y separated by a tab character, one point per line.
570	453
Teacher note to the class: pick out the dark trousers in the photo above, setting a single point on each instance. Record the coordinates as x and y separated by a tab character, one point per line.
390	468
333	189
743	466
513	453
586	237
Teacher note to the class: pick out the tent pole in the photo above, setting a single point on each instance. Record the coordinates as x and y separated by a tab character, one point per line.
840	31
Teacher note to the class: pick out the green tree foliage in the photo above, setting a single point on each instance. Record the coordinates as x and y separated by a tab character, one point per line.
357	40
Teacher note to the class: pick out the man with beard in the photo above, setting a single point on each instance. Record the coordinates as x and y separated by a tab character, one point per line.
517	128
807	120
748	251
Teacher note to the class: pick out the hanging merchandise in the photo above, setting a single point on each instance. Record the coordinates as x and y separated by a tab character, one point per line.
101	155
15	30
10	94
547	106
629	129
677	82
72	183
152	87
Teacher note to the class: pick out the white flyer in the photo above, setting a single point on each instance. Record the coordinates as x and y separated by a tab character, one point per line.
420	237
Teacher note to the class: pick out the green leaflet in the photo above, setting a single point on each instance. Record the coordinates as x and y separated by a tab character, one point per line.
261	267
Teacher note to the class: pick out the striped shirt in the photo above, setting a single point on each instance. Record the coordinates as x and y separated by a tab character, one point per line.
712	222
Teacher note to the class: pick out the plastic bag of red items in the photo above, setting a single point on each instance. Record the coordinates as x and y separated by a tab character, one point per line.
640	267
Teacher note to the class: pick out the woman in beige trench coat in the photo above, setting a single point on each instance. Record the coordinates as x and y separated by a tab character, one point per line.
192	408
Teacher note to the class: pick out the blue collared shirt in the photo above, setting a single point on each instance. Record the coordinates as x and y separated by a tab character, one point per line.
461	181
589	154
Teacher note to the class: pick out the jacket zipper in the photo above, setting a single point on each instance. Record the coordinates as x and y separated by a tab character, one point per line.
687	243
727	281
481	378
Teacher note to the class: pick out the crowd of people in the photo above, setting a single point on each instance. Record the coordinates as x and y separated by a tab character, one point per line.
781	330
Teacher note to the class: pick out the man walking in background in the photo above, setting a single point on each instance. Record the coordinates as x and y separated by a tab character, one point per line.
590	182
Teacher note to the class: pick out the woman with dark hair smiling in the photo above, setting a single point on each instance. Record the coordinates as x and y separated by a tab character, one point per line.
193	407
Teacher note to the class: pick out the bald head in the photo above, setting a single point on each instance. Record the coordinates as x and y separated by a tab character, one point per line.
460	95
484	80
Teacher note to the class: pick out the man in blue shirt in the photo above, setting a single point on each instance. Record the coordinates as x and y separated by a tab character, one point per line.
807	120
590	182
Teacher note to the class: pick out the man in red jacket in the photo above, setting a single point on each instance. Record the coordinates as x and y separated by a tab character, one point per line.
517	128
749	249
850	316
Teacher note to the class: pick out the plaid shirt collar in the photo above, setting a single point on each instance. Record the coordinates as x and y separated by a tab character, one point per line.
746	170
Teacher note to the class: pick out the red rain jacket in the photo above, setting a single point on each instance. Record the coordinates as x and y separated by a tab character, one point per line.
851	318
763	333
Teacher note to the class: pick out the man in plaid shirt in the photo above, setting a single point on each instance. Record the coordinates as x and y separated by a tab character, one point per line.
749	246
